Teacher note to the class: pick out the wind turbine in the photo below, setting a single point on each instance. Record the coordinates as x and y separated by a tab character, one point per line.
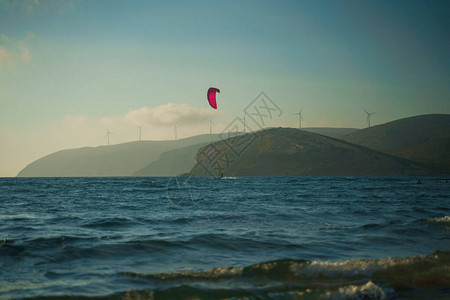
140	127
175	132
300	118
210	126
368	116
244	123
108	133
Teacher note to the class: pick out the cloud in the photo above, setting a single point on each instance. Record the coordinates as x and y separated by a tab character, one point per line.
159	123
25	6
34	6
75	121
75	131
26	56
5	56
14	51
170	114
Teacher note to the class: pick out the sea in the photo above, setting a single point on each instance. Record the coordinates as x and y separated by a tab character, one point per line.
229	238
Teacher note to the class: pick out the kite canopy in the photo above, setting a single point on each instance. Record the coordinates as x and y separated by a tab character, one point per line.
211	95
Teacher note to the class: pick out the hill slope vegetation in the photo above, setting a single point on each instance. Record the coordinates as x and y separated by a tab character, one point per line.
115	160
172	163
293	152
424	139
412	146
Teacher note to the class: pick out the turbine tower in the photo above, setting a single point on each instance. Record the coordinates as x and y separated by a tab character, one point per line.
368	117
175	132
244	123
300	118
108	133
140	131
210	126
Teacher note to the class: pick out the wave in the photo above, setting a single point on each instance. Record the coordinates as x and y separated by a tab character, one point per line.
106	223
416	277
386	278
445	219
65	249
292	270
17	217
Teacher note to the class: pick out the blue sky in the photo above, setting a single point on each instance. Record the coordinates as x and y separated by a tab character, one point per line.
70	69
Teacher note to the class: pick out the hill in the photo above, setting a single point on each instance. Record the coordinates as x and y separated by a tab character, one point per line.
424	139
337	133
293	152
275	151
172	163
115	160
182	160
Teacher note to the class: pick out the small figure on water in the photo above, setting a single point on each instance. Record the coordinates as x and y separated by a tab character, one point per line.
418	181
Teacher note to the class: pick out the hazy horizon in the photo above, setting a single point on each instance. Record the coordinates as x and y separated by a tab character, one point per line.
70	70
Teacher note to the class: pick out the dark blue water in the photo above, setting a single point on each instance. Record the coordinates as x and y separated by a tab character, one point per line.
204	238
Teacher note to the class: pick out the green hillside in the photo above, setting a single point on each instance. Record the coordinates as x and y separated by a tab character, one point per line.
172	163
293	152
115	160
412	146
425	139
337	133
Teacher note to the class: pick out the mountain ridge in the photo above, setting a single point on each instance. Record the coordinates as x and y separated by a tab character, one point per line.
171	158
114	160
293	152
424	139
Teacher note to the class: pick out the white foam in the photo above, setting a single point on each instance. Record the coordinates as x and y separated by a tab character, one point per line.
18	216
366	291
213	273
348	268
445	219
354	267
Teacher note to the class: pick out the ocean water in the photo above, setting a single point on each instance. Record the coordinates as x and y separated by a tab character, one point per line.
235	238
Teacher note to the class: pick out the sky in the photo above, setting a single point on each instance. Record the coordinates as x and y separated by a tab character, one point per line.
72	69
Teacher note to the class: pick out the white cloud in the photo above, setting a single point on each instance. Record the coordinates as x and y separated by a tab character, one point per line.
76	131
32	6
23	6
5	56
170	114
159	123
26	56
13	51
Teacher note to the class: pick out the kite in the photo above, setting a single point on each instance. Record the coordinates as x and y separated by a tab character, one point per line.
211	95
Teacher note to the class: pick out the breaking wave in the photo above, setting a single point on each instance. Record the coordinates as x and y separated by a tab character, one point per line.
386	278
445	219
